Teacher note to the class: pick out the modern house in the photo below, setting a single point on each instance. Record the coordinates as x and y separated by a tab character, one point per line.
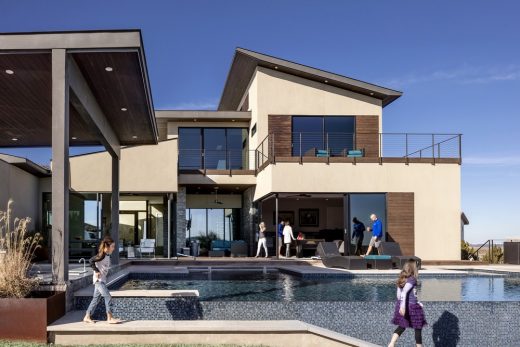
287	141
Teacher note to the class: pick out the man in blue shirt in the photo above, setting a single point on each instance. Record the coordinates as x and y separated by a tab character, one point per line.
280	236
377	234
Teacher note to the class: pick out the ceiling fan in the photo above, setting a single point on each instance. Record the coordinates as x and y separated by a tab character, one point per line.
216	201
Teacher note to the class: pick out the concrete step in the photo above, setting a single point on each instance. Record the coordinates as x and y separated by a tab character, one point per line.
70	329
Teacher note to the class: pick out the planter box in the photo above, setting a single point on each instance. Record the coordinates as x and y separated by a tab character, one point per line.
27	318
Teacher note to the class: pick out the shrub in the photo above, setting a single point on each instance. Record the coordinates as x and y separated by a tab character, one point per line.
498	256
16	252
466	250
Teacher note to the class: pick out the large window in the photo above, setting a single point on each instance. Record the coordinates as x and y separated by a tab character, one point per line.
334	134
223	222
213	148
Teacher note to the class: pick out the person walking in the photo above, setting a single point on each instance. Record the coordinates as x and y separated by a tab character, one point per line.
100	263
377	234
288	236
280	236
408	312
358	232
262	241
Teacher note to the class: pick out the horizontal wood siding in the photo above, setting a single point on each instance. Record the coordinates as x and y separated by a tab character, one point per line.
400	221
367	135
280	129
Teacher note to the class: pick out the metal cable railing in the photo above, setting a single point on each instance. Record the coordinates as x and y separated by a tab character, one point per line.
379	145
204	159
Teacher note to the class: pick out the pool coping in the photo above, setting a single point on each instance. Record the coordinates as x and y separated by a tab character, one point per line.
72	322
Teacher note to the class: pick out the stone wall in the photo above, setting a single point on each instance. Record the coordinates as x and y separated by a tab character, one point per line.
180	218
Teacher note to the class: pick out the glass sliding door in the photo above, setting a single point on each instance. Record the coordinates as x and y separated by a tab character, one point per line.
363	205
307	135
223	223
215	155
339	134
213	148
237	148
334	134
190	148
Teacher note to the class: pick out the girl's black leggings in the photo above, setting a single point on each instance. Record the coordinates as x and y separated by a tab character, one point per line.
418	334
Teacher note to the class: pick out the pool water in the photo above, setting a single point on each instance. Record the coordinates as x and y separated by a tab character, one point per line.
277	286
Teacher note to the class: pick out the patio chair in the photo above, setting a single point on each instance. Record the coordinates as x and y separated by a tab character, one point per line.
330	256
398	259
147	246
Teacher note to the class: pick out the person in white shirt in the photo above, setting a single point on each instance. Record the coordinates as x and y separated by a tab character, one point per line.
288	236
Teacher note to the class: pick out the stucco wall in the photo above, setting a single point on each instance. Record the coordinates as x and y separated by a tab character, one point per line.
274	92
436	190
23	188
142	169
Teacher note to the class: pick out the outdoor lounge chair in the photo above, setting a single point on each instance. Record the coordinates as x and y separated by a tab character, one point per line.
379	262
398	259
330	256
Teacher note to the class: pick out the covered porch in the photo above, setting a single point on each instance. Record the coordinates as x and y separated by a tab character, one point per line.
62	89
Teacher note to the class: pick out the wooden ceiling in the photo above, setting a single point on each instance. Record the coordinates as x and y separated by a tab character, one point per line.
26	99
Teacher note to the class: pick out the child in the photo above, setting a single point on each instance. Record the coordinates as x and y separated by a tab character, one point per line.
100	263
408	311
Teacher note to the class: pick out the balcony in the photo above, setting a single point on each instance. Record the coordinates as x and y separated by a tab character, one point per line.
359	147
216	162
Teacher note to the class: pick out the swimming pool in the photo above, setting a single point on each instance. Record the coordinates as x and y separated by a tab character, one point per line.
257	285
458	306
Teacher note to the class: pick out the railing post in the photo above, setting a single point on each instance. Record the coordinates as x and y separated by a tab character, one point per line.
380	148
433	148
272	146
460	149
354	143
204	161
300	140
406	148
439	150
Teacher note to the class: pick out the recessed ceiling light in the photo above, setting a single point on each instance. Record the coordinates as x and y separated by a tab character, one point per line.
109	69
232	120
134	137
198	187
9	72
371	93
237	188
276	67
124	109
194	119
14	139
326	81
74	138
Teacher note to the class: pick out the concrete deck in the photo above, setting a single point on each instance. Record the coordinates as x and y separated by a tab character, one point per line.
284	333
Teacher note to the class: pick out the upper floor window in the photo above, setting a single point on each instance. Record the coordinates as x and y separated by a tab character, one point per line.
334	134
213	148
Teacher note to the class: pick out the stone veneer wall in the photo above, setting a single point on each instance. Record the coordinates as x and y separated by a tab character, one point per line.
450	323
180	217
248	220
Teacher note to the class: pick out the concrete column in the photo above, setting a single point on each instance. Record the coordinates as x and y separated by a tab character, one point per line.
181	220
60	167
114	233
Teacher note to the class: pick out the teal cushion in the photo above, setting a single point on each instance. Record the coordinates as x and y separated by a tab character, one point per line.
378	257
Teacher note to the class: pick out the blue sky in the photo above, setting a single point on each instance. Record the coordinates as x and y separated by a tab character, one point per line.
457	62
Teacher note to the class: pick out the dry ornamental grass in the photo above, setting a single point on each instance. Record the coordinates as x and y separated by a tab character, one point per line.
16	252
